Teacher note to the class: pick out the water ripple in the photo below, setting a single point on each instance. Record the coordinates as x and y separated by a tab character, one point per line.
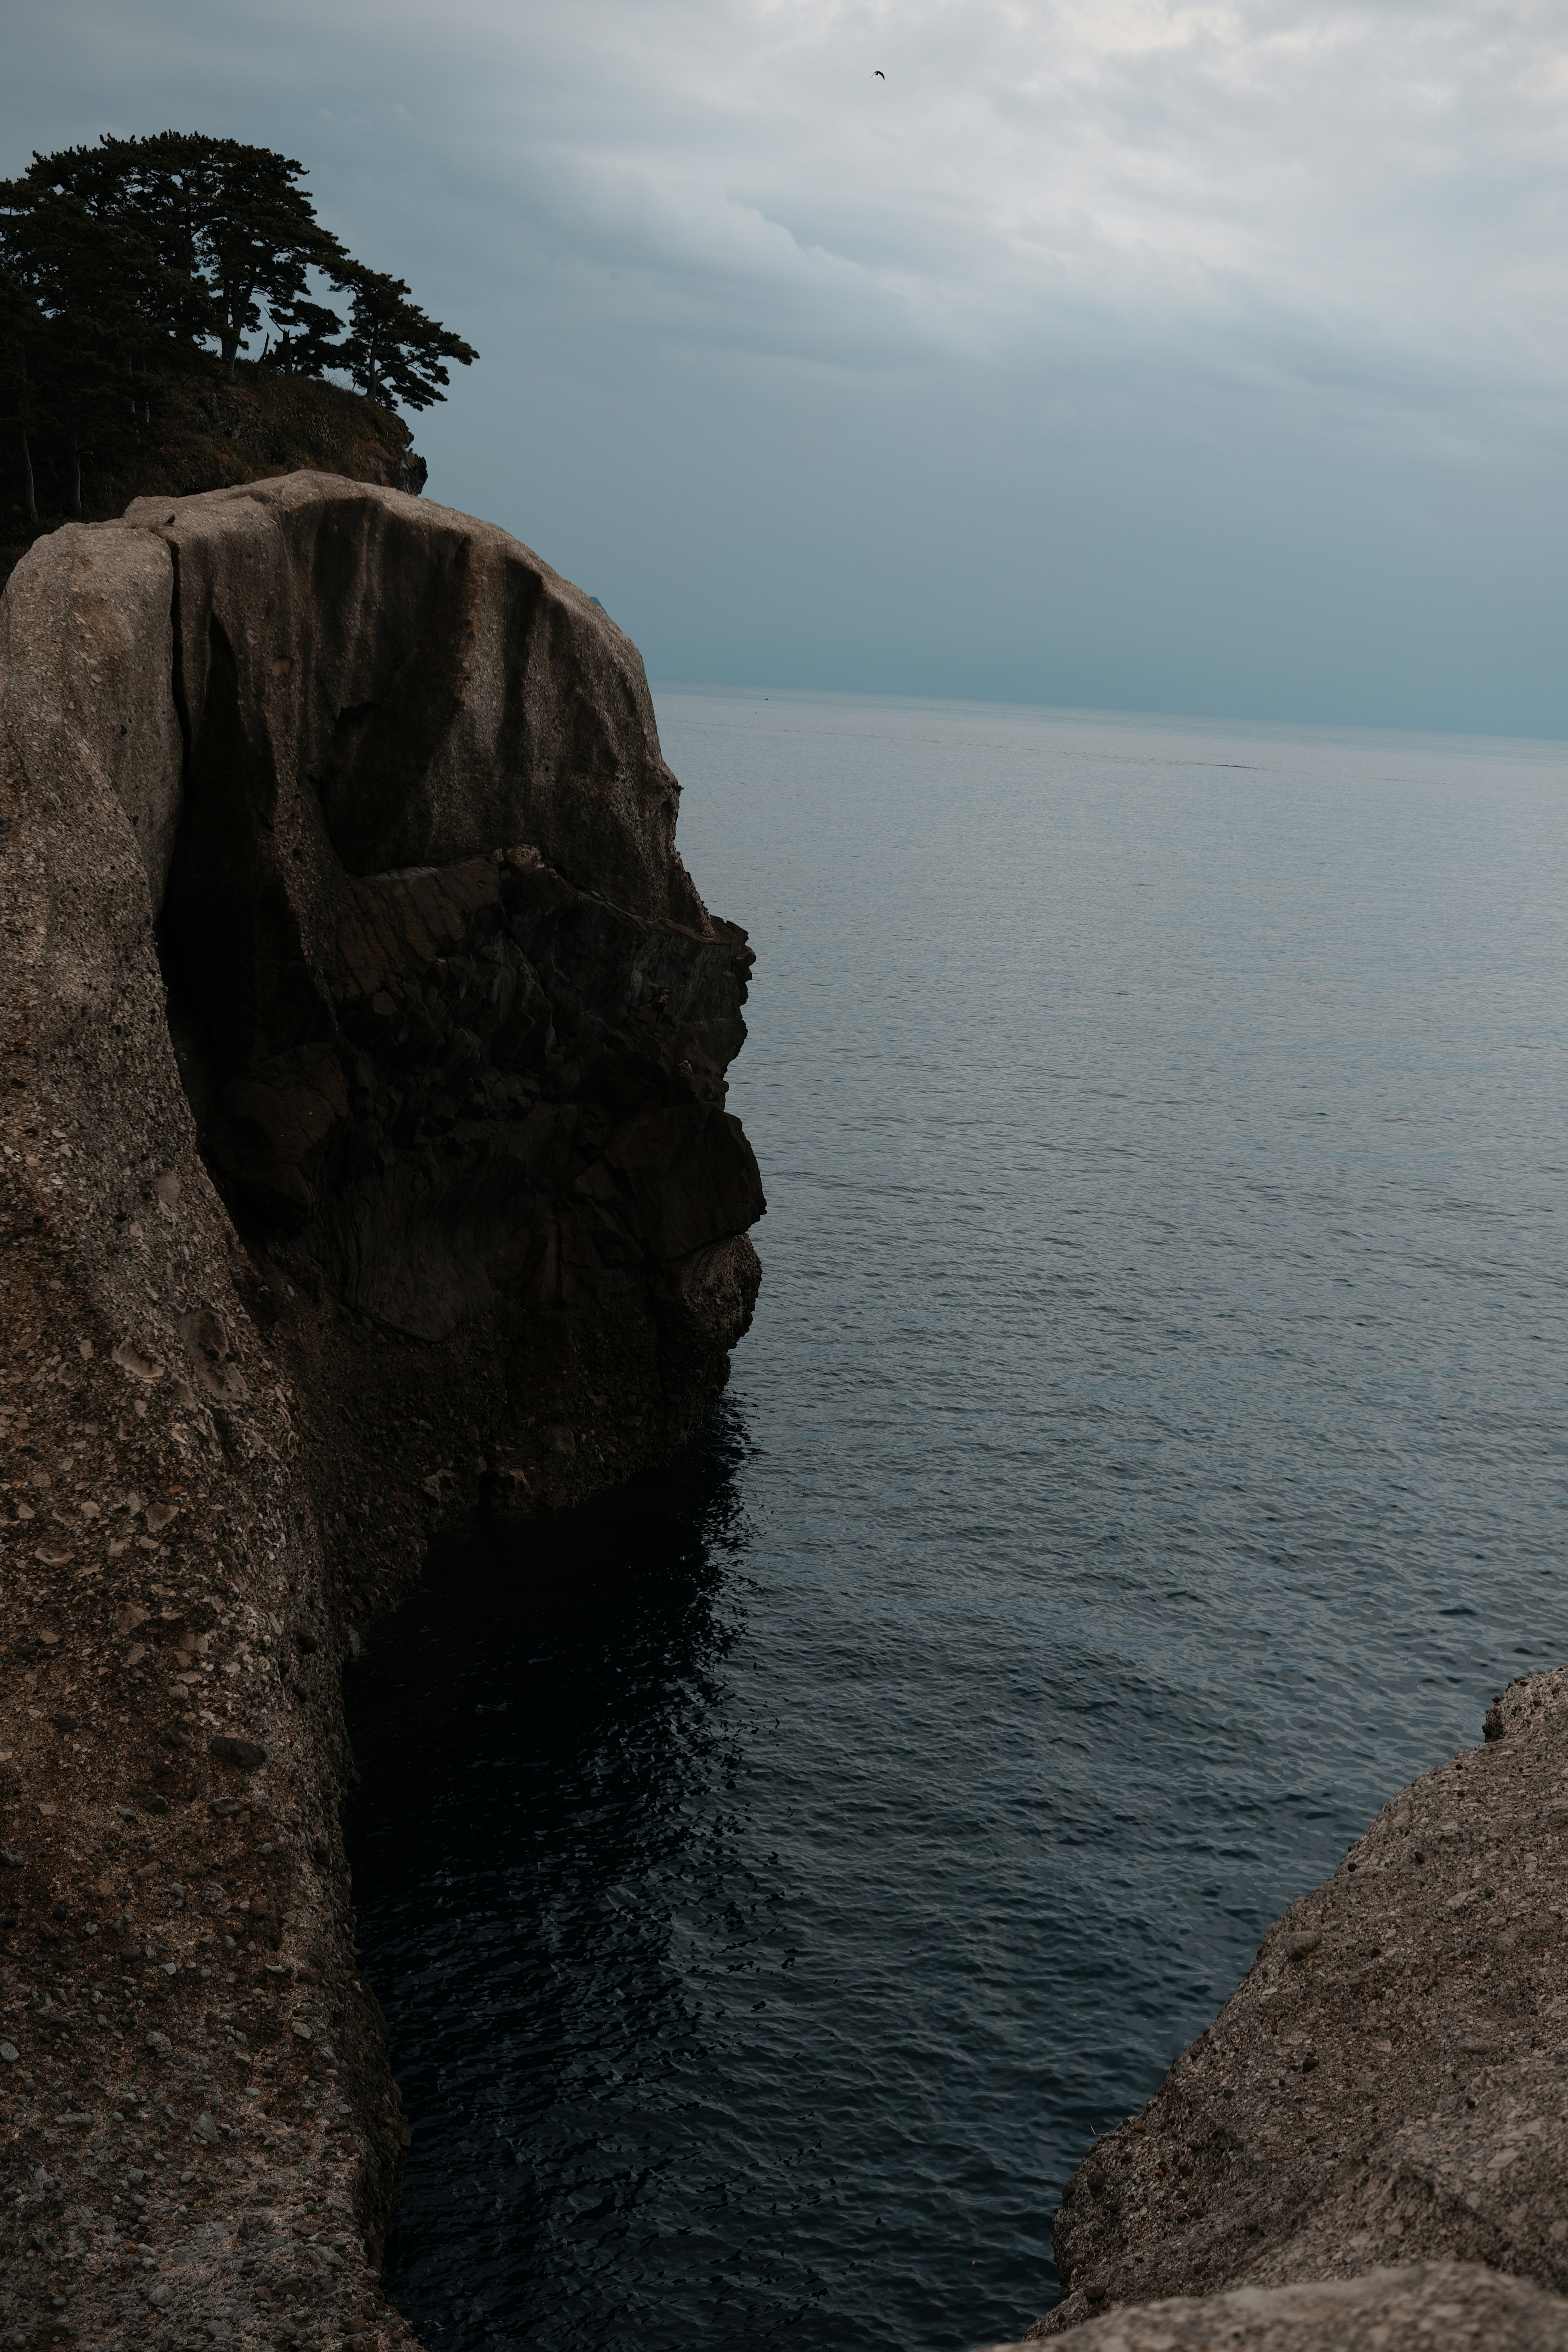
1149	1454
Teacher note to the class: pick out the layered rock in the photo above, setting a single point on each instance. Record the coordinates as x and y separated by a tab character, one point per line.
1389	2084
363	1162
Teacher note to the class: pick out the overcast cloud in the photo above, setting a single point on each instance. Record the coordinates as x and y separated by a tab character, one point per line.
1189	358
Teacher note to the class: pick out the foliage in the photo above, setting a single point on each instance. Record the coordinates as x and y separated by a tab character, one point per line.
122	264
87	315
393	348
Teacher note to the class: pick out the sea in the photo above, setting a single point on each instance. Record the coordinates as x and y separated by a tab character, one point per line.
1149	1454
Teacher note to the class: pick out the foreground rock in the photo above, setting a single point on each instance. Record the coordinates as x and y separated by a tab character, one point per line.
363	1161
1389	2085
1410	2310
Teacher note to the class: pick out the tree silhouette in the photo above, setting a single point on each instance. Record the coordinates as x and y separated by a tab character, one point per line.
393	348
123	262
304	343
18	387
88	313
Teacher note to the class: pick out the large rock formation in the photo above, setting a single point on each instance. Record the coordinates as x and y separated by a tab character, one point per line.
1388	2086
363	1161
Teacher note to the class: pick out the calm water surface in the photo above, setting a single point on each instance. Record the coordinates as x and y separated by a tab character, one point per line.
1149	1454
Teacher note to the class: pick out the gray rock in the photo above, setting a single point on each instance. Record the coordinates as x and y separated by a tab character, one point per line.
1414	2309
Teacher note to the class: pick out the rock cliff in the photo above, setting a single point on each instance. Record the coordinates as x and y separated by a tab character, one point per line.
1386	2091
363	1162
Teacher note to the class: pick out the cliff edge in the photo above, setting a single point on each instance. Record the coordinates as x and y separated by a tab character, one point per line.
210	431
363	1163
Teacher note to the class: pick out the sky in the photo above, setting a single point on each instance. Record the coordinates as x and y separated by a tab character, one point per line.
1114	353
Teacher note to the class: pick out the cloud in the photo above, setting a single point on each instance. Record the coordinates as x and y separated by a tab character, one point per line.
1388	179
1174	282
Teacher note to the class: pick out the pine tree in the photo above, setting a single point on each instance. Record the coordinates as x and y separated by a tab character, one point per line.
306	341
123	262
392	349
90	313
230	219
21	328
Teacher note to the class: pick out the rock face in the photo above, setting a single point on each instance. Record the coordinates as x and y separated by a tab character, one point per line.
1389	2084
363	1162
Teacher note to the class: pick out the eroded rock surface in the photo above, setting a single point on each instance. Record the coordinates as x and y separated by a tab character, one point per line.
1389	2084
363	1160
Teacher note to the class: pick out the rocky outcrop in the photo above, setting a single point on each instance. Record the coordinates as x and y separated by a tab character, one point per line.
1388	2086
363	1163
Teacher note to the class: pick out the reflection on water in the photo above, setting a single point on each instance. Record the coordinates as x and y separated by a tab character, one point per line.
571	1930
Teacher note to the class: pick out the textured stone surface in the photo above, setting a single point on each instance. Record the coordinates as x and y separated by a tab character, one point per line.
363	1161
1390	2081
1402	2310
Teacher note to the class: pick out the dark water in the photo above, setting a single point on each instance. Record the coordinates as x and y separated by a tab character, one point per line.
1150	1453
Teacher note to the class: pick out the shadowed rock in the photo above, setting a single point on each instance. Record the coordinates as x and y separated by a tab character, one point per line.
363	1162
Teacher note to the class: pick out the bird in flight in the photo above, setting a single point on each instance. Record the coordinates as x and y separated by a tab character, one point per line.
877	75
